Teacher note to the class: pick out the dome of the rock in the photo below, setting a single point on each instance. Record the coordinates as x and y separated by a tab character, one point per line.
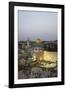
38	40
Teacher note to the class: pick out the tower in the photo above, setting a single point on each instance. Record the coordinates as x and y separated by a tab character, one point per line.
28	43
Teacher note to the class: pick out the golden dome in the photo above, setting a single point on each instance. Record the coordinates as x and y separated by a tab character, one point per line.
38	40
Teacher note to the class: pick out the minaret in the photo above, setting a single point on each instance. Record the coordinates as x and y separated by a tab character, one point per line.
28	44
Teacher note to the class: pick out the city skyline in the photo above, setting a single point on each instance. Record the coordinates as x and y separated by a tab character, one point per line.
37	24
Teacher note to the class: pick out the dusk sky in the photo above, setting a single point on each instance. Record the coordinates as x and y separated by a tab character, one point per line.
37	24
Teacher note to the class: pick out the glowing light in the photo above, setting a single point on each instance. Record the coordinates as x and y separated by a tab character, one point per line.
50	56
34	57
46	56
40	58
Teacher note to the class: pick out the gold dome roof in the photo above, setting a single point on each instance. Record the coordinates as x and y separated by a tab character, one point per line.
38	40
